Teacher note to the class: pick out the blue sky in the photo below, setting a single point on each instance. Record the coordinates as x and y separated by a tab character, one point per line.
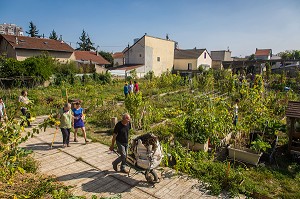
241	25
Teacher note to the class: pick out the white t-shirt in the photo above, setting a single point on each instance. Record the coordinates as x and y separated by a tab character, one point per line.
23	99
130	88
236	108
2	107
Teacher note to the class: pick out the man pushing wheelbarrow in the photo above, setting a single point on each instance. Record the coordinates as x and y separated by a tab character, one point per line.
145	152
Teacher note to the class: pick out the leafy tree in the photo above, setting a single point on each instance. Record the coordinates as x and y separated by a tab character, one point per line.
289	54
108	57
85	43
33	32
53	35
251	57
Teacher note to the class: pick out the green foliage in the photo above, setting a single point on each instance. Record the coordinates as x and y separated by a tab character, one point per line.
260	146
85	43
53	35
133	74
33	32
108	57
133	104
149	75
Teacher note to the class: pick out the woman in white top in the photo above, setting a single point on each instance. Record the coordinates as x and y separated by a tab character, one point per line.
2	109
23	99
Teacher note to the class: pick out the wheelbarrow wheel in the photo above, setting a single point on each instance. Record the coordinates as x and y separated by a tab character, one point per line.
151	176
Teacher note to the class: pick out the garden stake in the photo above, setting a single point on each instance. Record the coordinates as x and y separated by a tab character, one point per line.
53	138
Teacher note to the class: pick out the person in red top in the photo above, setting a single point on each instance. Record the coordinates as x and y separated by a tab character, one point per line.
136	87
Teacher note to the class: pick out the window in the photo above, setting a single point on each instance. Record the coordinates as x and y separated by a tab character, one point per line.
205	55
190	66
158	59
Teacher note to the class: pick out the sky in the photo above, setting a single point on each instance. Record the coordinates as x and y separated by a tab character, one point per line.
240	25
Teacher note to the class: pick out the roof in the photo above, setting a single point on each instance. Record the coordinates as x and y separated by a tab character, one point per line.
188	54
33	43
263	52
293	109
118	55
126	67
125	50
90	56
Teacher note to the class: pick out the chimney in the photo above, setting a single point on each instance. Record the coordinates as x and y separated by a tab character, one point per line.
17	41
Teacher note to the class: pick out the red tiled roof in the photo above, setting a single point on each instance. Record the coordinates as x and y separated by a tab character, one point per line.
263	52
126	67
118	55
90	56
37	43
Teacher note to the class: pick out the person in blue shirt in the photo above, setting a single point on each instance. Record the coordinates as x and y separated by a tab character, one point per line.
126	90
79	121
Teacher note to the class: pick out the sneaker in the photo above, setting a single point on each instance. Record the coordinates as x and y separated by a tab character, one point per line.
68	145
115	166
86	141
75	140
125	170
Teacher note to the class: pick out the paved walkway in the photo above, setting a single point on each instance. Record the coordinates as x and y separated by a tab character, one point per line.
88	169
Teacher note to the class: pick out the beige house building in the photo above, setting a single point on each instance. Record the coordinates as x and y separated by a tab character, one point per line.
150	54
90	61
118	58
219	56
191	59
22	47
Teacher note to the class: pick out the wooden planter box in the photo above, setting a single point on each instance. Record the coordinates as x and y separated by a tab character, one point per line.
244	156
226	139
195	146
200	147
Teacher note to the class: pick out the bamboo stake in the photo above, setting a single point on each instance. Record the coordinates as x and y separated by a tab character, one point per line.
54	137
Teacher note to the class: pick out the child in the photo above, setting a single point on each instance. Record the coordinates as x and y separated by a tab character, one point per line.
66	121
78	121
126	90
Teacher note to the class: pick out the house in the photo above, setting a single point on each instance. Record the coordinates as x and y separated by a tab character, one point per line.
191	59
22	47
150	54
11	29
118	58
263	54
90	61
218	57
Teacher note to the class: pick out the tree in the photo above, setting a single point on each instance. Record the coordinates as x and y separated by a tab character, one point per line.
251	57
85	43
33	32
53	35
107	56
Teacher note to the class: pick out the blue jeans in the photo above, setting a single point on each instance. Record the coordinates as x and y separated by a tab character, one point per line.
122	149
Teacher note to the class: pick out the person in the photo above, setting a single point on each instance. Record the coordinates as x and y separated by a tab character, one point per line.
66	122
23	99
120	136
136	87
79	121
130	87
126	90
235	113
2	110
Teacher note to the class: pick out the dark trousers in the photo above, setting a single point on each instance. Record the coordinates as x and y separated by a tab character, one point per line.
122	149
66	135
26	114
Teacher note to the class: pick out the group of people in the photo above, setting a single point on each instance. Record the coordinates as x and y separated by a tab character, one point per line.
131	88
71	118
